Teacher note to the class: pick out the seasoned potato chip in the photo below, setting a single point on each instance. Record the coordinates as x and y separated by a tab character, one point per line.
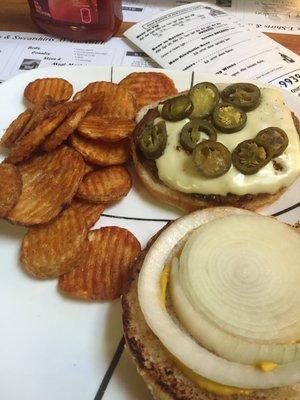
26	146
94	88
109	129
104	271
59	89
41	111
148	87
15	128
88	168
67	127
105	185
90	211
10	187
101	153
117	102
53	249
114	101
49	184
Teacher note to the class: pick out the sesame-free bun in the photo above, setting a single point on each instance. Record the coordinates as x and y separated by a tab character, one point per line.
161	375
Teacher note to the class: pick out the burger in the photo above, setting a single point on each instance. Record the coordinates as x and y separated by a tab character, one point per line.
213	308
235	145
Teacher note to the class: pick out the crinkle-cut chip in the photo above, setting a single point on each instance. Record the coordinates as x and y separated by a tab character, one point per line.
90	211
101	153
41	111
105	185
53	249
109	129
94	88
59	89
49	184
67	127
10	187
26	146
15	128
117	102
105	270
88	168
148	87
114	101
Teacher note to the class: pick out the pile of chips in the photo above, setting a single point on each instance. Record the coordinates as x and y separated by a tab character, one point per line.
65	166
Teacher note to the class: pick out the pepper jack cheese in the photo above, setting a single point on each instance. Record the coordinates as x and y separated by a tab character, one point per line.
176	168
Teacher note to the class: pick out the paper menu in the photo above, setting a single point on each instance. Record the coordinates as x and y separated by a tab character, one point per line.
21	52
282	16
205	38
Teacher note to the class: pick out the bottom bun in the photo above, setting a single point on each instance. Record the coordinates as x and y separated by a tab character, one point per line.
161	375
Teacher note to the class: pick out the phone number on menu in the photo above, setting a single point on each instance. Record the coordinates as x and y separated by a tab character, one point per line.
290	80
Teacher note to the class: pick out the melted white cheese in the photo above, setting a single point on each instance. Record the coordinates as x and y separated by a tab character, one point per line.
176	168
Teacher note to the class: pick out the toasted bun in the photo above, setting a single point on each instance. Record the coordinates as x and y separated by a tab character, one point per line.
185	201
162	377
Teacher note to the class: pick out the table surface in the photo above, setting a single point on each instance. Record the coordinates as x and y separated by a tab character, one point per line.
14	16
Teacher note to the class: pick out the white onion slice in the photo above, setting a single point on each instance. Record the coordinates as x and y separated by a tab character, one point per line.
243	274
195	357
222	343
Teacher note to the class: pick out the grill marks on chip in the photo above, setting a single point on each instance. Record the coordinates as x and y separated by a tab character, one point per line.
53	249
101	153
10	188
26	146
67	127
106	128
148	87
105	185
90	211
15	128
59	89
103	273
49	183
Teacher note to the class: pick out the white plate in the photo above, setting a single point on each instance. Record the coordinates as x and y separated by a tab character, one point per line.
57	348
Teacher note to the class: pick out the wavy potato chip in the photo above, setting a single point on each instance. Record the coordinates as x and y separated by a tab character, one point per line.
41	111
117	102
109	129
92	89
67	127
53	249
103	273
105	185
59	89
15	128
10	187
49	184
90	211
24	147
88	168
114	101
148	87
101	153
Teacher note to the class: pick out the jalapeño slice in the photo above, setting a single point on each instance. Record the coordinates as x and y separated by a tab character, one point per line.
243	95
177	108
205	96
229	118
274	138
249	157
211	158
192	133
153	140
